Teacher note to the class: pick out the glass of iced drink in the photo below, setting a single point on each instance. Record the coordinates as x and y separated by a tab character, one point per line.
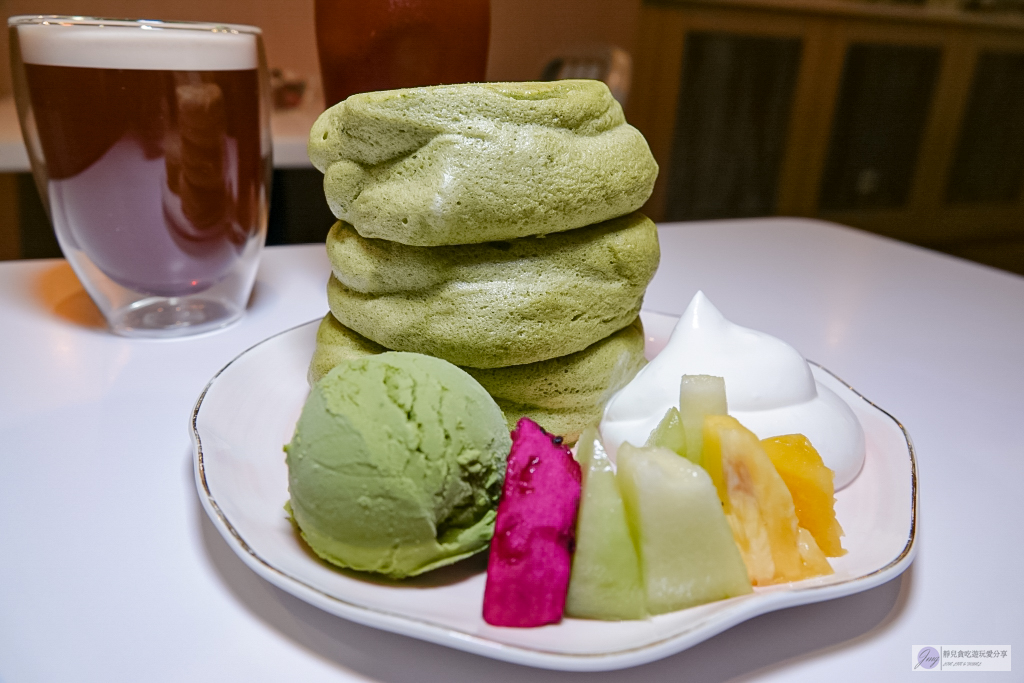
150	145
366	45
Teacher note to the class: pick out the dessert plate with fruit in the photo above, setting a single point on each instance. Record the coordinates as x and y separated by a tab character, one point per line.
249	410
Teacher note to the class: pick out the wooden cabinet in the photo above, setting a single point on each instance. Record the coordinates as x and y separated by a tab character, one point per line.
904	120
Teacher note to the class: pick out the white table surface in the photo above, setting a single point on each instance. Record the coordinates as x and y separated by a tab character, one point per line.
110	570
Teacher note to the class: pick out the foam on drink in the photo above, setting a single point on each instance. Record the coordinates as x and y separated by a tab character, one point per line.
147	47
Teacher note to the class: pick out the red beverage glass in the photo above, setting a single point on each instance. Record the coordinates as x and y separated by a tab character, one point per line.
367	45
150	146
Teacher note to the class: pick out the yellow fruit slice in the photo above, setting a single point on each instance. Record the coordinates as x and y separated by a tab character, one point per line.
814	560
810	483
758	506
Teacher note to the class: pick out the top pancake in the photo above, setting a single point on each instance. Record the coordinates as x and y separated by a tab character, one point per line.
471	163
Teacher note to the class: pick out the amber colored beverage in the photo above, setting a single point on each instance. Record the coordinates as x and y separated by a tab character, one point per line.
156	147
367	45
150	145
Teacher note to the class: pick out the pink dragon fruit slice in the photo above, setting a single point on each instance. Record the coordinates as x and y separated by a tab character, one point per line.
531	554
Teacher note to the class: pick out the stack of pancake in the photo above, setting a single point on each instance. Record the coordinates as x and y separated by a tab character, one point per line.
492	225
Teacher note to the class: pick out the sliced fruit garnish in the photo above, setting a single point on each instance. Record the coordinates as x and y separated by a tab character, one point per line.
605	581
687	553
669	433
811	484
758	505
531	553
699	396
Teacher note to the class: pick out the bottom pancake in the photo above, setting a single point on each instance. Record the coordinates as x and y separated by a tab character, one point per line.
563	395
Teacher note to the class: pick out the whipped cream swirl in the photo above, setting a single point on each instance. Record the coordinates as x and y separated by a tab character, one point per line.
769	389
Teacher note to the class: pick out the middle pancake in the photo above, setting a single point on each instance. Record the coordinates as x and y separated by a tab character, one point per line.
498	303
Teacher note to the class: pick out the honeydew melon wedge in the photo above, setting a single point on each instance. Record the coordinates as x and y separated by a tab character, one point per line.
687	553
699	396
669	433
605	581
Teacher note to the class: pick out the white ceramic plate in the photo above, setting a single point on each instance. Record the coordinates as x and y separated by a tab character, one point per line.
248	411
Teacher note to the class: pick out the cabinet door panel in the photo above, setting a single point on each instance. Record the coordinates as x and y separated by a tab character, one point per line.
883	105
732	115
989	161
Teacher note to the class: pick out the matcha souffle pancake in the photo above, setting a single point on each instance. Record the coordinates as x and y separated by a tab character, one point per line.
472	163
494	304
494	226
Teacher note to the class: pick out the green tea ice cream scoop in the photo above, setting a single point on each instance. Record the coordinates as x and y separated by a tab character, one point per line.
397	464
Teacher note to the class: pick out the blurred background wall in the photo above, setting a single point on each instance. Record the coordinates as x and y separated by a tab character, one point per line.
903	118
525	34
